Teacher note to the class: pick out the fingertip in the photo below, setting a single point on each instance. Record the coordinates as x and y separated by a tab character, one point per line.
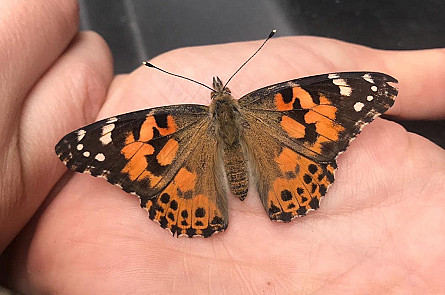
421	75
95	69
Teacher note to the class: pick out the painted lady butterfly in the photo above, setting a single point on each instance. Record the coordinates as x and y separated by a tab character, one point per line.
183	160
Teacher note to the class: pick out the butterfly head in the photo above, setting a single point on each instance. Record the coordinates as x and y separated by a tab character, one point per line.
219	89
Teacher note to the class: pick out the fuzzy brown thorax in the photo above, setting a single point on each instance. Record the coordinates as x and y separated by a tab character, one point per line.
227	119
225	114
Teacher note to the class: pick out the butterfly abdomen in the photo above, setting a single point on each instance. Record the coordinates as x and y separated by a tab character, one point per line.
235	167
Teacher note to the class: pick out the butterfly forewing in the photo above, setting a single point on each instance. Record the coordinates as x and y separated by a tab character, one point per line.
137	151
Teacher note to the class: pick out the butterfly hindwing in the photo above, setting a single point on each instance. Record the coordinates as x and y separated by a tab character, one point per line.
297	129
194	203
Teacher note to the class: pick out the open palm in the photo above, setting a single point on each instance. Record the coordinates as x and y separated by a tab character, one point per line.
379	229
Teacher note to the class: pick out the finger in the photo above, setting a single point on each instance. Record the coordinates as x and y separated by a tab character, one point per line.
421	75
69	95
33	35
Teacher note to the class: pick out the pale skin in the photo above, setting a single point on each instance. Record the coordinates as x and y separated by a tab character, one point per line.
379	228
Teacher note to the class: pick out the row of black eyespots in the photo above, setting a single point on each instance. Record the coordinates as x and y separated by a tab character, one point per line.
275	213
216	224
286	195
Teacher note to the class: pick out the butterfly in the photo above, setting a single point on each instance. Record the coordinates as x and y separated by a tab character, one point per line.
183	161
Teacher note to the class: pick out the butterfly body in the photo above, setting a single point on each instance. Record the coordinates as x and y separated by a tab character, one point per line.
183	161
229	124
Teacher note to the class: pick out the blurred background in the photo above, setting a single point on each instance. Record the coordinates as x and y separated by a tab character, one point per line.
138	30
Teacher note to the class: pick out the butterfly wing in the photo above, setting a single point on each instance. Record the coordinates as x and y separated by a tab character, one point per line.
146	153
297	129
194	203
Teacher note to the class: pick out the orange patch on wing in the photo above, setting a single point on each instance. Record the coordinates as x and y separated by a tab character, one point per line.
299	93
185	180
324	100
146	131
130	138
136	153
292	127
326	110
287	160
171	126
168	152
132	148
323	117
281	105
306	101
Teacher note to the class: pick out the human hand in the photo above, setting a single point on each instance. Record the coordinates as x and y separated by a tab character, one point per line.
369	236
52	79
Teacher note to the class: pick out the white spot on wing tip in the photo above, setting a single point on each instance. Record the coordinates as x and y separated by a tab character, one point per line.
79	147
105	139
367	77
374	88
100	157
333	76
106	134
369	98
345	89
358	106
86	154
80	134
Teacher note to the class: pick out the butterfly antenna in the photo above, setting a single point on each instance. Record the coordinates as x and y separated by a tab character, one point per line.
150	65
267	39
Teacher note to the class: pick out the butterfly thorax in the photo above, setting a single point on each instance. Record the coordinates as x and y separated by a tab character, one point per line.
226	117
227	122
225	114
